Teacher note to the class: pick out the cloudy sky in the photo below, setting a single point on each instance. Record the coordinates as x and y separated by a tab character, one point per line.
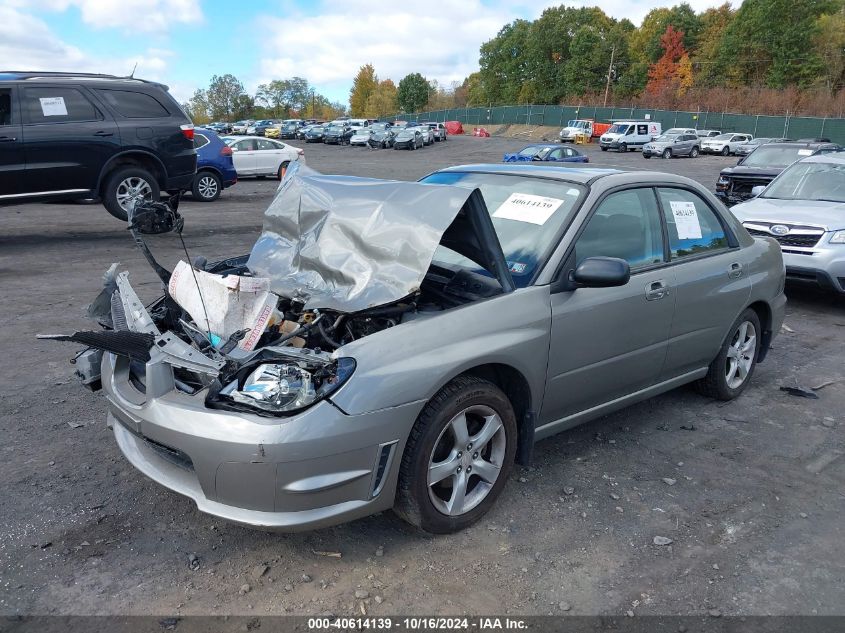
184	42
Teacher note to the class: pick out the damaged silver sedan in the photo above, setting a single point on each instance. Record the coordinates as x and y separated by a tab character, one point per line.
401	345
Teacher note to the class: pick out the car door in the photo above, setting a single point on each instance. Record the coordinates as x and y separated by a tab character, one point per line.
554	156
712	285
243	155
269	155
688	143
609	342
66	138
12	162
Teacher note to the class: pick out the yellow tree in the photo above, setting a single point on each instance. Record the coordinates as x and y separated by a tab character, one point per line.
383	101
363	86
683	75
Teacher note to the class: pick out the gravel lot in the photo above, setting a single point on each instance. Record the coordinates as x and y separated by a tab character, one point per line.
751	492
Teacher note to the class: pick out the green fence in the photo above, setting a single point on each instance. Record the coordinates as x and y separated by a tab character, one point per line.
557	116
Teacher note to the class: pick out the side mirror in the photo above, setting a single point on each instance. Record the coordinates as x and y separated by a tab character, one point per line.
757	190
602	272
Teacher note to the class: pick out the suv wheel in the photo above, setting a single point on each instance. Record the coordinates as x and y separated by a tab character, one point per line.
126	187
726	150
694	152
458	456
667	153
731	371
623	148
207	186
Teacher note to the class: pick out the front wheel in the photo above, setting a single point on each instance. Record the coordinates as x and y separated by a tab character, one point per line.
646	155
623	148
207	186
127	187
731	371
458	456
667	153
726	151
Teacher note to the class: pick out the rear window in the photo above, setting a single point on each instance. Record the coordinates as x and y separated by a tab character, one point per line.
133	105
200	140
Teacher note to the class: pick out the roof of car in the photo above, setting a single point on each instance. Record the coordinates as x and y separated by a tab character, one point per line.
541	145
802	144
582	175
29	75
838	158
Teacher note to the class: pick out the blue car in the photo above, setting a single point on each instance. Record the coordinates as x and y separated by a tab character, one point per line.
546	152
215	169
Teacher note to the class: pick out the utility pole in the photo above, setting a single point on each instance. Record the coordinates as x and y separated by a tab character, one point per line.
609	71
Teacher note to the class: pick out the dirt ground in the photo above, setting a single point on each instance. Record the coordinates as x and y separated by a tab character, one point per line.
751	492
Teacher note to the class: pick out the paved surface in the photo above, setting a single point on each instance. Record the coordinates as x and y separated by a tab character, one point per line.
753	499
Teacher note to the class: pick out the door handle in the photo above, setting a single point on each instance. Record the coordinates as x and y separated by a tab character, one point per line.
735	270
7	139
656	290
103	133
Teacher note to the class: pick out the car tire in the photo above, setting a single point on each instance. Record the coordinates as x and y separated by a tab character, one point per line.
623	148
604	149
733	367
693	152
667	153
726	151
207	186
470	405
119	182
280	173
646	155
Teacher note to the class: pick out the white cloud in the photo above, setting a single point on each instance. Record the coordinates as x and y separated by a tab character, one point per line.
29	44
129	15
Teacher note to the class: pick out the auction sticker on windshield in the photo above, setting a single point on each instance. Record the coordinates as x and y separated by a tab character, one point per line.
686	220
523	207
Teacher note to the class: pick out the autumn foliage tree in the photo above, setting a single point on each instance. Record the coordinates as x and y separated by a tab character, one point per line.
673	71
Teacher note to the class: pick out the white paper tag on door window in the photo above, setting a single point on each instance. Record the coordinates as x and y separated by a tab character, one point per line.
53	106
686	220
523	207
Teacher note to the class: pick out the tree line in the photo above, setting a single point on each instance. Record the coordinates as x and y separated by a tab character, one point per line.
225	99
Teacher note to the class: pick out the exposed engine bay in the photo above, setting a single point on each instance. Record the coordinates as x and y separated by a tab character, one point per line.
257	338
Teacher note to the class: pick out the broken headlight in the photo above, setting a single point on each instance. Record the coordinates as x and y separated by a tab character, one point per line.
286	387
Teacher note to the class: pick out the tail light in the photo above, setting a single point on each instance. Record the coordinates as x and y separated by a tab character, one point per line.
225	151
187	131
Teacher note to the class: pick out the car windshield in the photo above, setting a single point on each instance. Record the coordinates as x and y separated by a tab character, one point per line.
665	138
617	129
531	150
809	181
674	131
758	141
765	156
723	137
526	236
378	127
362	131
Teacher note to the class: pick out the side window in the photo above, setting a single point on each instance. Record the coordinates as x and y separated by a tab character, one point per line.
200	140
57	105
631	129
693	226
134	105
555	154
642	130
264	144
247	145
625	225
5	106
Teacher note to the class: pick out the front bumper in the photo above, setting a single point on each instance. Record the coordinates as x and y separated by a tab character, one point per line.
653	151
711	150
312	470
823	267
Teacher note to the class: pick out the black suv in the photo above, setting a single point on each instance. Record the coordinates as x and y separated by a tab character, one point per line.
80	136
762	166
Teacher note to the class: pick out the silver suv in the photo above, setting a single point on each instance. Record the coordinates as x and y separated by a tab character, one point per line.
802	210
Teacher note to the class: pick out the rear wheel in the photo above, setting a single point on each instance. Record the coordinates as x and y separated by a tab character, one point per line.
207	186
282	169
731	371
126	187
694	152
458	456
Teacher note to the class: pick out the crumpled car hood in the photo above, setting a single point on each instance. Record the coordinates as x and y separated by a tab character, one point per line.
347	244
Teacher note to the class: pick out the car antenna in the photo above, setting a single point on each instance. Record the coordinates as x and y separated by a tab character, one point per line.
134	68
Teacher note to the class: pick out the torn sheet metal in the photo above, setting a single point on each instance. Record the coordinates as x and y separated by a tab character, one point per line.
347	244
222	305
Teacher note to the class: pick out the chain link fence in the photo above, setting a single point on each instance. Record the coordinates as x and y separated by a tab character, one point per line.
557	116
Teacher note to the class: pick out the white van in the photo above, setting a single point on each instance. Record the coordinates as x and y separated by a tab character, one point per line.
356	123
627	135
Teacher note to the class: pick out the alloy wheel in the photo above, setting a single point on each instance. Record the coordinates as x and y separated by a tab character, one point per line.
740	357
207	187
131	191
467	460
